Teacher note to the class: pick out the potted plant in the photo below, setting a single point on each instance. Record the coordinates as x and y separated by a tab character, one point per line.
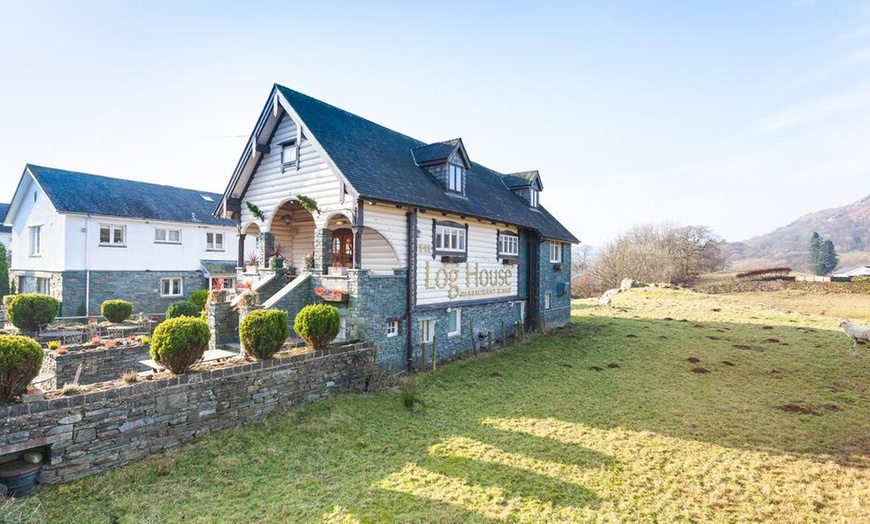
277	253
308	261
252	262
337	269
331	295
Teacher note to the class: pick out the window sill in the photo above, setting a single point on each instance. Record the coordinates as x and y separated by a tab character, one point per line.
170	243
452	259
171	296
393	335
36	255
215	250
454	334
113	245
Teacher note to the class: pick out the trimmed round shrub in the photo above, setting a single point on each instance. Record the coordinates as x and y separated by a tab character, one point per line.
317	324
20	362
263	332
116	310
182	308
178	343
198	298
29	311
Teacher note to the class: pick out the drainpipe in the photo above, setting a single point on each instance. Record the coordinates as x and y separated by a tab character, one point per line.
412	282
87	266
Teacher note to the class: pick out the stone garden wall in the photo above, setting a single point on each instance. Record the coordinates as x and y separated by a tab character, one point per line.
93	432
98	365
861	288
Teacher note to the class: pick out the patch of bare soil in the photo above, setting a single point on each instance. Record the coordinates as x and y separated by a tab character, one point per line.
795	408
700	370
766	327
662	336
613	366
728	363
631	335
713	337
495	374
596	368
744	347
832	407
668	319
693	360
773	340
566	365
716	310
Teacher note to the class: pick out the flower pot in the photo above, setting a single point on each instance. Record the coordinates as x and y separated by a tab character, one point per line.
19	477
335	297
276	263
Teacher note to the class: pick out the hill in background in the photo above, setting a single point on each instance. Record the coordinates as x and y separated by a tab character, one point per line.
848	227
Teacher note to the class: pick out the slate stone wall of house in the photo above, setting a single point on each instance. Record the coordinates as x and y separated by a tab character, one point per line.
86	434
97	365
142	288
223	322
556	282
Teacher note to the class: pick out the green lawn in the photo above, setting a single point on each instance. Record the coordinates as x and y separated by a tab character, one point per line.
532	434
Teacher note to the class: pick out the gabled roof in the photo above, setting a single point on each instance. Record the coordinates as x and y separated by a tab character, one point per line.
523	179
82	193
379	164
439	152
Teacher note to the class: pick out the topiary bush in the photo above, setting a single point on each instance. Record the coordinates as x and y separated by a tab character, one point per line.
116	310
29	311
178	343
20	362
263	332
182	308
199	297
317	324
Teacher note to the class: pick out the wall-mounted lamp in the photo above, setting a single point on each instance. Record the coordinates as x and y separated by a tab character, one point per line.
286	219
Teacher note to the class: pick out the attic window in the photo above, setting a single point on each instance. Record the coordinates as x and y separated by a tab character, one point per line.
533	197
455	176
207	198
289	155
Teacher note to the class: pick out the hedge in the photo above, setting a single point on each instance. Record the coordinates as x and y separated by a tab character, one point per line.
317	324
263	332
29	311
116	310
20	362
199	298
178	343
182	308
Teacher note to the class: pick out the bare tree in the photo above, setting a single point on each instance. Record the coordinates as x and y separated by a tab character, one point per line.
659	253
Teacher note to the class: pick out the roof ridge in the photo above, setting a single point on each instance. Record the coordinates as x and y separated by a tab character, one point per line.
154	184
345	111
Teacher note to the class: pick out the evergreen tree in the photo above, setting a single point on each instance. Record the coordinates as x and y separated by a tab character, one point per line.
814	257
4	271
829	257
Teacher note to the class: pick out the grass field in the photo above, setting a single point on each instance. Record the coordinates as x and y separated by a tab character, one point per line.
607	422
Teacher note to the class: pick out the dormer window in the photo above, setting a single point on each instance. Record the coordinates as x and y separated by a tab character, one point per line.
289	155
454	178
533	197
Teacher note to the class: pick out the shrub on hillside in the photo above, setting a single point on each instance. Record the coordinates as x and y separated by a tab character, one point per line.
182	308
198	298
317	324
178	343
116	310
264	331
29	311
20	362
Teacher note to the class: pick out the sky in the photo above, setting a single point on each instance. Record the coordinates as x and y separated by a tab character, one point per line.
738	115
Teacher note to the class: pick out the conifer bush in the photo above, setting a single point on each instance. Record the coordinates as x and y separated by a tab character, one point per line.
178	343
182	308
29	311
263	332
116	310
199	298
317	324
20	362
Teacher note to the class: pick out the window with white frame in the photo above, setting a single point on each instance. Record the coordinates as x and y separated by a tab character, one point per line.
555	251
533	197
35	241
171	287
214	241
449	239
454	178
43	285
508	244
289	155
113	235
393	328
454	322
547	297
167	236
427	331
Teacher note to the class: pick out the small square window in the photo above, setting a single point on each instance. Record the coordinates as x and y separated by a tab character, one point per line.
43	285
454	322
171	287
214	241
289	155
167	236
393	328
427	331
113	235
555	252
455	174
508	245
35	241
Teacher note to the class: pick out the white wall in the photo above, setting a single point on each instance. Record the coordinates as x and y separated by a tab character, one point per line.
392	223
442	283
270	187
141	251
32	213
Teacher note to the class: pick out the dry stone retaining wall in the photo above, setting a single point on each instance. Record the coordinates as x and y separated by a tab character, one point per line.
89	433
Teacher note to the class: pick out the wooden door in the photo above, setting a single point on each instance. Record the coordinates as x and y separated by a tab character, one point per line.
342	248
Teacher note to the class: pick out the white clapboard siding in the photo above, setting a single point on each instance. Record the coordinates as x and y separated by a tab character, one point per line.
482	254
377	254
270	186
392	223
297	237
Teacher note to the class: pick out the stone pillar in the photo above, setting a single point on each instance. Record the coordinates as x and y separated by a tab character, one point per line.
322	249
241	261
264	248
357	246
223	321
